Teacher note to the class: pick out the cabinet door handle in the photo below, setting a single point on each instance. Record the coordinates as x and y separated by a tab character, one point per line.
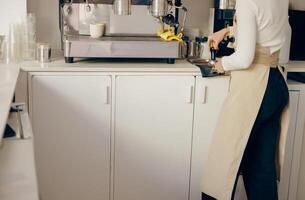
204	95
191	99
108	95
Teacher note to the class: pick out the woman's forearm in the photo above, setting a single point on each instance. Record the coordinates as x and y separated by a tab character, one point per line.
246	42
217	37
226	31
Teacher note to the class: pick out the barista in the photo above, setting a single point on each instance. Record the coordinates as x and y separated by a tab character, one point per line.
255	113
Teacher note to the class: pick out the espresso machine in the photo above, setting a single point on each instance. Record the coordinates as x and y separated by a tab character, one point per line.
223	14
224	11
131	29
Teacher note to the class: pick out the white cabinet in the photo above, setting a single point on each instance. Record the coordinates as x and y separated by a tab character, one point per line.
210	94
153	137
301	181
289	149
156	137
71	117
295	147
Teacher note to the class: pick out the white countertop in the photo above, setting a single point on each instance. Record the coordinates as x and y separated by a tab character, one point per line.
98	65
296	66
8	79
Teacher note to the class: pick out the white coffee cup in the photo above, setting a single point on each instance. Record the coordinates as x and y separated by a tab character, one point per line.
97	30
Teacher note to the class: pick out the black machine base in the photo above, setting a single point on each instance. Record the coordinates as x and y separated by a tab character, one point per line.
167	60
171	60
69	59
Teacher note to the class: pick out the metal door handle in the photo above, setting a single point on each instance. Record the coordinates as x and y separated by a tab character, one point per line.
204	98
18	107
20	127
108	95
191	98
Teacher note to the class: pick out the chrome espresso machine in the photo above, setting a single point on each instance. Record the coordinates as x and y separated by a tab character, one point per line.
131	28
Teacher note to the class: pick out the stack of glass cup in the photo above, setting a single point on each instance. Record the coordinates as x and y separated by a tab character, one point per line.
13	43
20	43
29	37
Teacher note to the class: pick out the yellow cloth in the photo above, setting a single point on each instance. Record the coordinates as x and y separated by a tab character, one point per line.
169	35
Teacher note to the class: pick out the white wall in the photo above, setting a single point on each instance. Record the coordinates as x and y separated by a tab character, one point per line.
198	13
11	11
46	12
47	17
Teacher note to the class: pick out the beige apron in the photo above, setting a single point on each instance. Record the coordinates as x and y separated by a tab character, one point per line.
239	111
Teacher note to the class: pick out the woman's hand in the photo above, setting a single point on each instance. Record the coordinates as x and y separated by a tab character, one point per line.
218	67
217	37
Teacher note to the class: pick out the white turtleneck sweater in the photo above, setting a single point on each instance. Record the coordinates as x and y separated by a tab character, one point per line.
258	21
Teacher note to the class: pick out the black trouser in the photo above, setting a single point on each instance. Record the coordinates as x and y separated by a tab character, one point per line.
258	165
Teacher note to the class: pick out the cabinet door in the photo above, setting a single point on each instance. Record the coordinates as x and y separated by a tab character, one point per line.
71	123
153	133
210	94
296	184
301	181
285	182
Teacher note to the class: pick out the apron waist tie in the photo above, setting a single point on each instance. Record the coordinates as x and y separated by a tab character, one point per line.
263	57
